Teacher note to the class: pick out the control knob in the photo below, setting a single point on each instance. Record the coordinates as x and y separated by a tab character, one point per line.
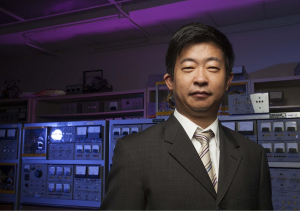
38	173
9	181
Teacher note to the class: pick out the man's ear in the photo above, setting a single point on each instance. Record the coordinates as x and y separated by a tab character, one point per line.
169	81
230	77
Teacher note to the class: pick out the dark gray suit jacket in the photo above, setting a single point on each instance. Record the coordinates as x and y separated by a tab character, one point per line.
159	169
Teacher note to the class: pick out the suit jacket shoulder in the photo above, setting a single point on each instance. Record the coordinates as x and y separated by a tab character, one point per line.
240	140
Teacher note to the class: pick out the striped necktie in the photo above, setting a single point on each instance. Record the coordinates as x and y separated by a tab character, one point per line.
204	138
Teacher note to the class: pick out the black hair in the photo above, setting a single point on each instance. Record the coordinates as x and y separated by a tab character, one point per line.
198	33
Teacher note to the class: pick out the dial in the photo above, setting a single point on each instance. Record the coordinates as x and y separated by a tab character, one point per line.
95	129
81	130
279	147
292	147
278	126
291	126
2	133
80	170
93	170
245	126
265	127
67	171
38	173
11	132
230	125
59	170
9	181
51	170
267	147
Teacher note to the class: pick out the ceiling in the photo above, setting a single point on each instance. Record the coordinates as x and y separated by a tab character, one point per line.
44	26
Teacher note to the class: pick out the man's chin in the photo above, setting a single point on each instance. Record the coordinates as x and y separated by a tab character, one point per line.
204	111
200	109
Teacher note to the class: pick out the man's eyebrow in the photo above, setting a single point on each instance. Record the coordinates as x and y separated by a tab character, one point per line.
206	60
213	58
188	59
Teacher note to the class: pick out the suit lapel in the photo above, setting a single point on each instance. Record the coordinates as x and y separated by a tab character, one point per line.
184	152
230	159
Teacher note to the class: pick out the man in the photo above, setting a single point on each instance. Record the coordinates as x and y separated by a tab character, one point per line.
167	166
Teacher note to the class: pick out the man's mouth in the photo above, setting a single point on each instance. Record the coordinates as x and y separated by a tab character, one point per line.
200	94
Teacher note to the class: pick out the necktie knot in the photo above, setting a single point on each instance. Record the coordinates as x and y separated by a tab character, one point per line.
203	137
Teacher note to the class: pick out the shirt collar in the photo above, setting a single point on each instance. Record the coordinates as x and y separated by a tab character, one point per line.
190	127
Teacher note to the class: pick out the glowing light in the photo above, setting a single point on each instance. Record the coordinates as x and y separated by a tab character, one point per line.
56	135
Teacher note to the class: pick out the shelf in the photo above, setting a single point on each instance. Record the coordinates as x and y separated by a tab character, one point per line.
92	96
289	85
10	102
92	114
290	108
69	162
284	164
244	117
60	203
15	110
90	106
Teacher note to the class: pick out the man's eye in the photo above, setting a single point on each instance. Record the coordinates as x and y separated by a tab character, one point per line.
213	68
188	67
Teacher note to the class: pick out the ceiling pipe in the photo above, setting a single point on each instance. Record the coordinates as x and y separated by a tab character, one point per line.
51	16
37	47
128	17
27	41
60	26
11	14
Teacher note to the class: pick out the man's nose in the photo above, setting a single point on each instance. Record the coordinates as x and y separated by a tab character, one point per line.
200	77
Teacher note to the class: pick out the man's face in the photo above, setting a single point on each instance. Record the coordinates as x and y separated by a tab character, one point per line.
199	80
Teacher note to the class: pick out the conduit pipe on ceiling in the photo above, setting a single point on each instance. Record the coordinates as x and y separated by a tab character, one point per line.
50	28
82	22
11	14
50	16
127	44
37	47
61	26
128	17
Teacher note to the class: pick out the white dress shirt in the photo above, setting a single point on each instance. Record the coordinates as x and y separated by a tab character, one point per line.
214	147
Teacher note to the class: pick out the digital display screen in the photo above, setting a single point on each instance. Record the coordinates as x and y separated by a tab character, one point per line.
35	141
276	95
